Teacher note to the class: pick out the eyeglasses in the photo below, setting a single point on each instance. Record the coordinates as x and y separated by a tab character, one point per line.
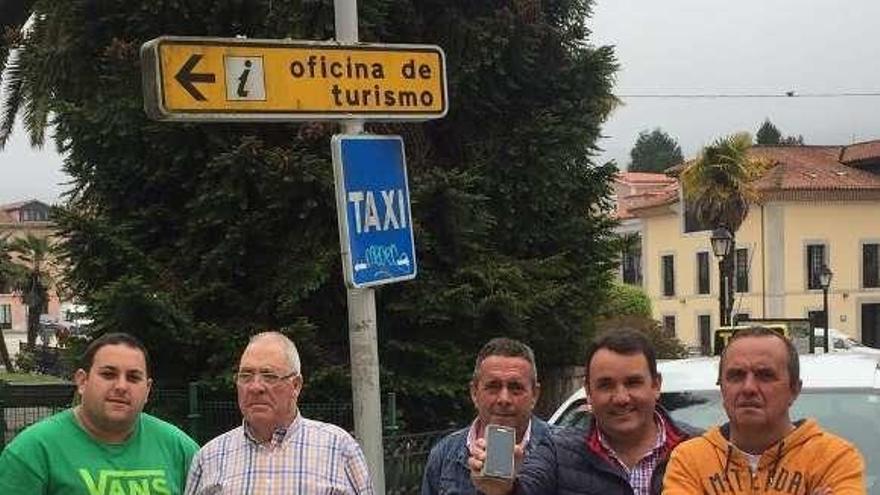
267	377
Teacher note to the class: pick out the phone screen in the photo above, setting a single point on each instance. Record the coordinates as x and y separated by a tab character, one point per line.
499	451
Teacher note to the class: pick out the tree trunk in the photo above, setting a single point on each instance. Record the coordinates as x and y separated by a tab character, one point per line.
557	383
4	354
33	325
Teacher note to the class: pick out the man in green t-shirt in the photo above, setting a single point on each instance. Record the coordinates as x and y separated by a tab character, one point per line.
106	445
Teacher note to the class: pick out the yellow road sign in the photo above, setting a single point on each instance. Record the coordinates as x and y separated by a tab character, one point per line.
192	79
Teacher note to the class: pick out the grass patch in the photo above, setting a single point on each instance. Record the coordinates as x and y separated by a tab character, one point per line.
29	378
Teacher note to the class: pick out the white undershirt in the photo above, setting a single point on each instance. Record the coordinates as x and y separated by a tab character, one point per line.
753	460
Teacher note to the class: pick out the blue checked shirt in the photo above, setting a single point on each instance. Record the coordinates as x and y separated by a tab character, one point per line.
309	457
640	474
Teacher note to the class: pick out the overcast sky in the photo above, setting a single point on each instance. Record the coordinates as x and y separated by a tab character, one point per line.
681	47
742	47
27	173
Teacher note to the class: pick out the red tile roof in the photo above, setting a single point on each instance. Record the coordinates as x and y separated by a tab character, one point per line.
643	178
635	188
860	152
667	194
798	168
14	206
811	168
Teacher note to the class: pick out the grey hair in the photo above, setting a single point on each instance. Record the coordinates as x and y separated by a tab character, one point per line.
290	351
793	365
502	346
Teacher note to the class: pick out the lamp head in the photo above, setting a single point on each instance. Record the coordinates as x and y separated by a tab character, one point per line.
825	277
722	242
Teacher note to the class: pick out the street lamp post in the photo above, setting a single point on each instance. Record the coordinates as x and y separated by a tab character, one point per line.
825	282
722	244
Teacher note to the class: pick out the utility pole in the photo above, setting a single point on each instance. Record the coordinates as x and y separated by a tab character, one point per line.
362	337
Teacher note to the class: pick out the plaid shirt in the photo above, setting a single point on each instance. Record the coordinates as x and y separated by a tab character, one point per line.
308	457
640	474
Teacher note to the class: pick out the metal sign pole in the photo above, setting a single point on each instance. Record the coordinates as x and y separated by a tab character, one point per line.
366	402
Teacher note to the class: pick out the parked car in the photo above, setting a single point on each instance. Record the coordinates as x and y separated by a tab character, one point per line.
75	318
48	328
840	342
841	390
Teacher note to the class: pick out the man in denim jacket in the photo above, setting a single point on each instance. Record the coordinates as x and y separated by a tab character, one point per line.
504	389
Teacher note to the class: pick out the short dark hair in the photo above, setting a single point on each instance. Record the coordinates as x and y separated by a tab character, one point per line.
115	338
626	341
502	346
794	363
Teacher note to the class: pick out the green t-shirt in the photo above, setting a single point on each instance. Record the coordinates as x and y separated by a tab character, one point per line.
57	457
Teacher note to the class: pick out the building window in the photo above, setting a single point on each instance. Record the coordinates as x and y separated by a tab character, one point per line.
631	264
705	324
870	265
5	316
703	273
739	317
668	263
815	262
669	326
742	269
33	215
691	222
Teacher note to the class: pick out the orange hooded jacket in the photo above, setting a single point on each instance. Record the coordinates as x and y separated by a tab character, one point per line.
806	459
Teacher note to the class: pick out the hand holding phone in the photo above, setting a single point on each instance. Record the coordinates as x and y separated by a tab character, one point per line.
500	441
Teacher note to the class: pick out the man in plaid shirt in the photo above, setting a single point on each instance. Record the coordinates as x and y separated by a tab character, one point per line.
277	451
625	448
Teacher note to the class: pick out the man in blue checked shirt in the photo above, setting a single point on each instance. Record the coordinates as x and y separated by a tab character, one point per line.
276	450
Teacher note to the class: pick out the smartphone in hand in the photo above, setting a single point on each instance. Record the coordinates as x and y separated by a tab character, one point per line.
500	441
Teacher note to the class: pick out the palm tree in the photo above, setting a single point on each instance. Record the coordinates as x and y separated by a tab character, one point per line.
718	185
33	255
25	88
7	275
718	182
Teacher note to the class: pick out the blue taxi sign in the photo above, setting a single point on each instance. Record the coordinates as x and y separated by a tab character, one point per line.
373	208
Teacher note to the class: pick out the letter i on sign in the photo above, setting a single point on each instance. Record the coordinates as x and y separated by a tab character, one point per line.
245	79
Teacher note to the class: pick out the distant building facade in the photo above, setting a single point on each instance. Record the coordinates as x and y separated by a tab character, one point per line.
818	206
632	189
18	220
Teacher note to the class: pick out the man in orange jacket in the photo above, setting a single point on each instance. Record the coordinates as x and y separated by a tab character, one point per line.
761	450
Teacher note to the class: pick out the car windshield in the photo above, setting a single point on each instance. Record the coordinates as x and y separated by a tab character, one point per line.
849	414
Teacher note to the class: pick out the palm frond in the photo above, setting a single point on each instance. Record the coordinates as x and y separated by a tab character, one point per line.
11	92
36	116
4	54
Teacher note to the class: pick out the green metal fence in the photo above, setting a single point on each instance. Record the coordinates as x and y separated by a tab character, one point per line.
205	413
405	458
23	405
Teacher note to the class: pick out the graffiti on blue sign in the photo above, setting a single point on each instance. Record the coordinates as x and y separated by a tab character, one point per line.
385	258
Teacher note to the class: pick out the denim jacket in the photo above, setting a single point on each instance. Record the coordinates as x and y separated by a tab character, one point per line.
447	472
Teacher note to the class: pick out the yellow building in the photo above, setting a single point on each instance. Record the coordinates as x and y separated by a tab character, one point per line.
818	206
18	220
